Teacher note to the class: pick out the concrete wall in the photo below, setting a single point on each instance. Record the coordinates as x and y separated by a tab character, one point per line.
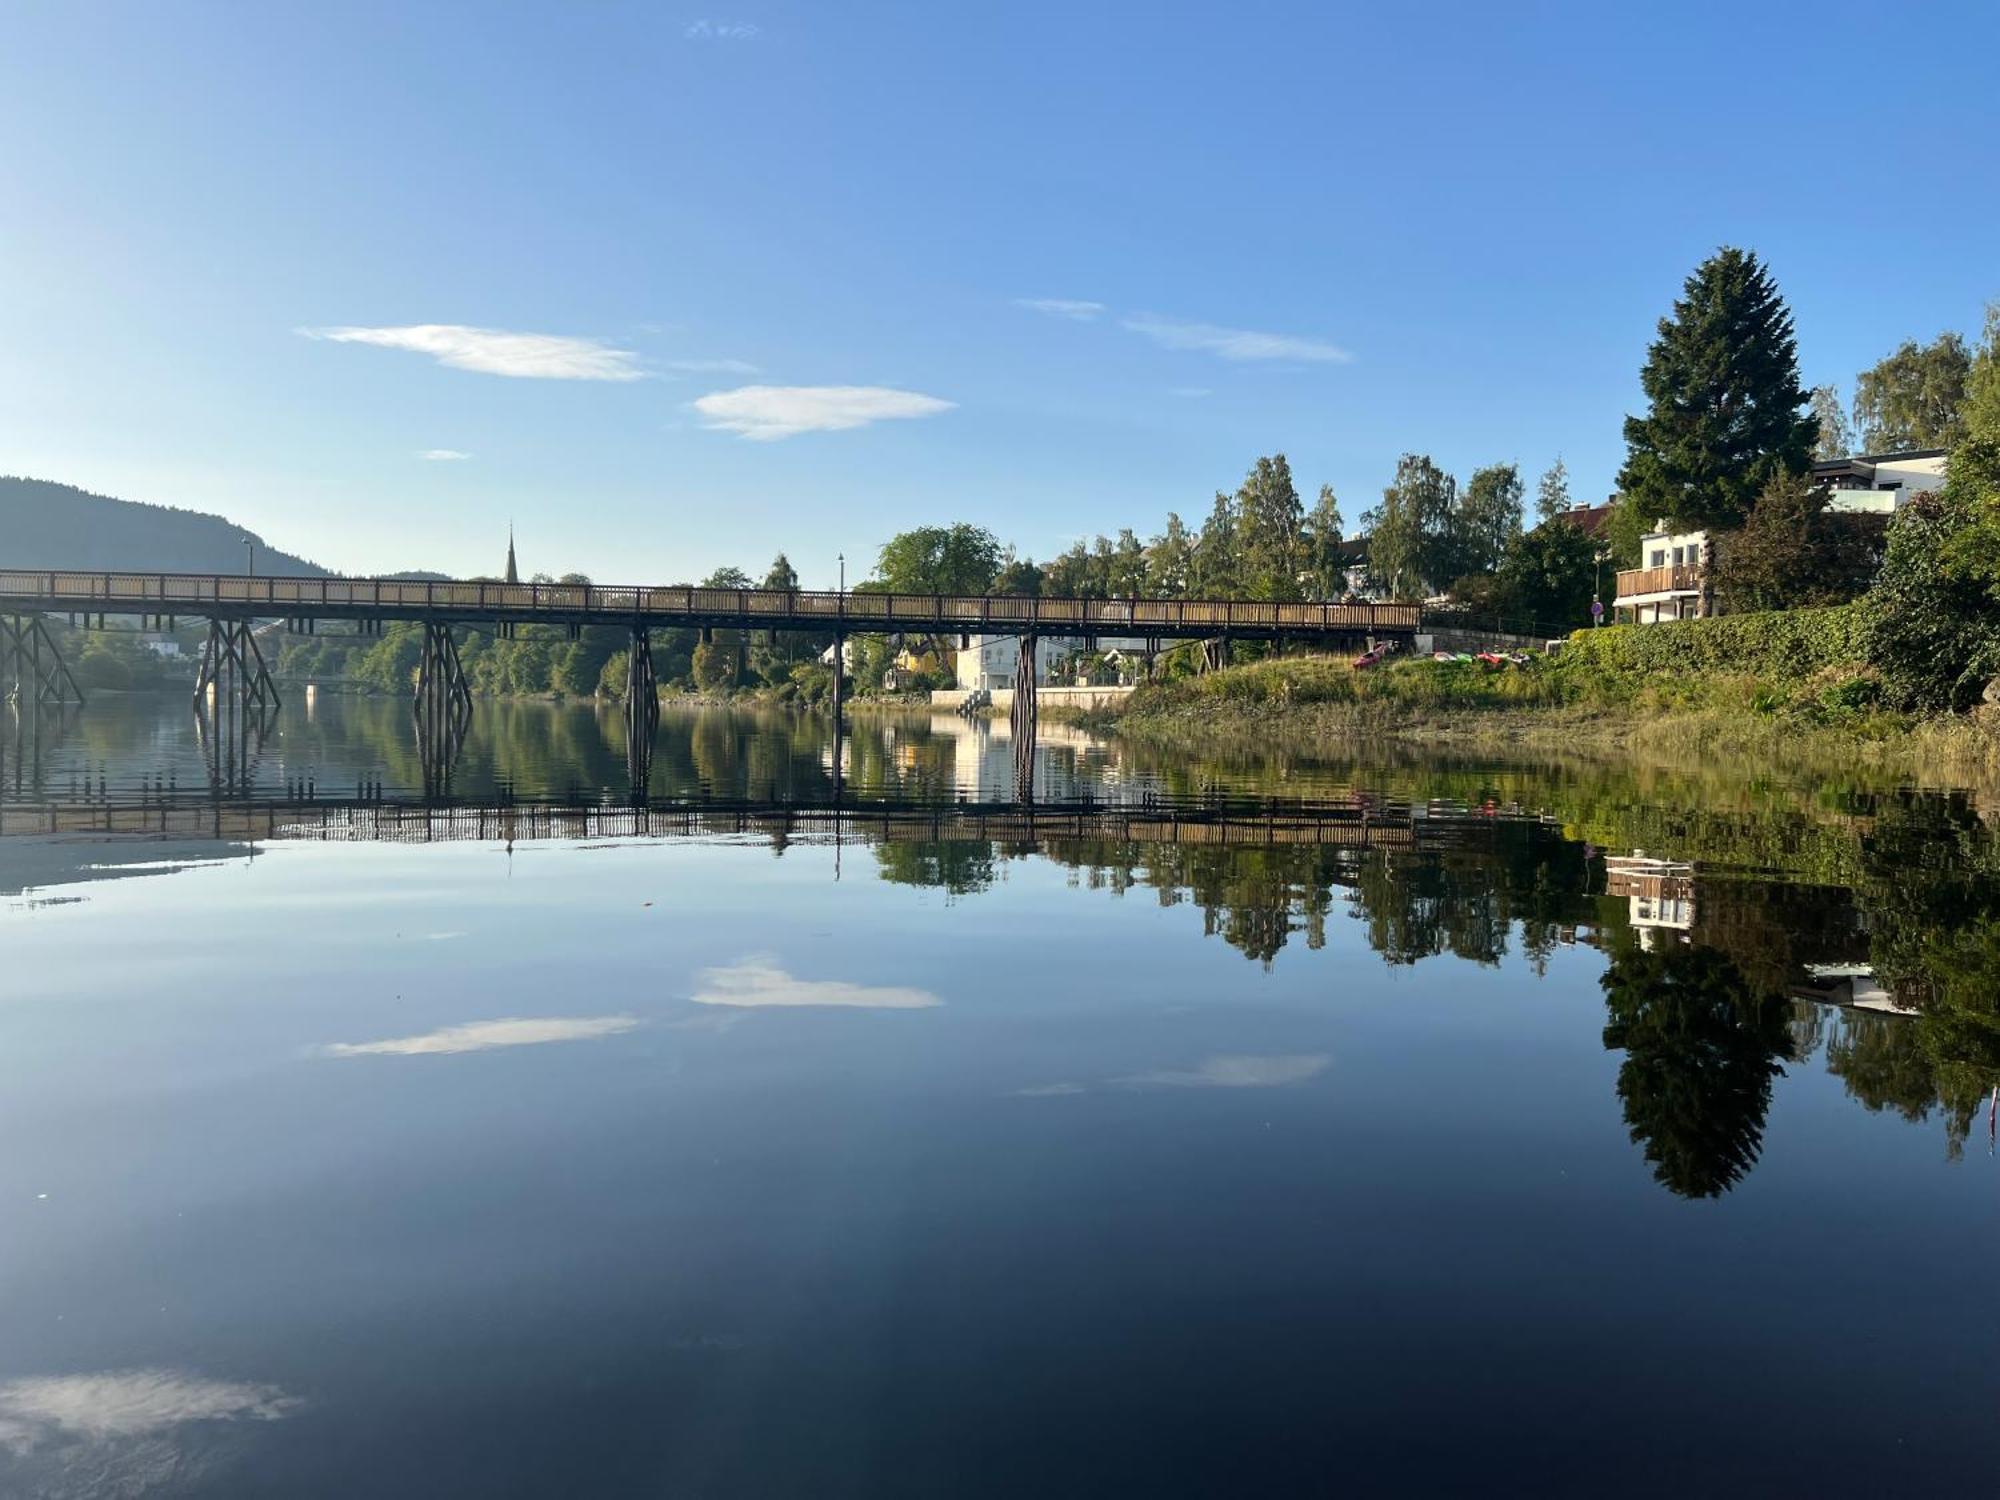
1431	640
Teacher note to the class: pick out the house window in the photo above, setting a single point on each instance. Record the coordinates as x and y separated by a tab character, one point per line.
1659	558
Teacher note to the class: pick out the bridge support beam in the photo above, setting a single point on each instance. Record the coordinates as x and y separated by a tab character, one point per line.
1022	717
442	707
32	669
642	711
233	670
839	674
444	696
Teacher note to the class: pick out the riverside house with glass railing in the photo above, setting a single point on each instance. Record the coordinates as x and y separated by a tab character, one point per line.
1671	581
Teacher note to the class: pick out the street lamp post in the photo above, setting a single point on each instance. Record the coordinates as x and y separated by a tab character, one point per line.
250	549
842	559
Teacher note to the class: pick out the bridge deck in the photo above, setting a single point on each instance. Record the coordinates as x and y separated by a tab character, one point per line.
224	595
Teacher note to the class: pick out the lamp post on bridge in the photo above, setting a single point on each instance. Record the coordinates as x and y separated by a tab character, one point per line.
250	550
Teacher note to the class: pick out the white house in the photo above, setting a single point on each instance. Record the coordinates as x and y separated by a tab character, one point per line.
1881	482
1669	583
988	661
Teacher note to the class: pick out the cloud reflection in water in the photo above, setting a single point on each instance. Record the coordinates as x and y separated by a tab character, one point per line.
759	981
483	1036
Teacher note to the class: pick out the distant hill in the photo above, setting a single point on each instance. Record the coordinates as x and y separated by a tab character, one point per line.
49	525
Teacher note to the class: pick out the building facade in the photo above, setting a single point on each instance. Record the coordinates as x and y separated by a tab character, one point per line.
989	661
1672	579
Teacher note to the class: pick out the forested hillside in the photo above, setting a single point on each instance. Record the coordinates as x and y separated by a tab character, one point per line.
49	525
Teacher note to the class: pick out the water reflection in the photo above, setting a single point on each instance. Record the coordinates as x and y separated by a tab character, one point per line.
1745	926
1252	1094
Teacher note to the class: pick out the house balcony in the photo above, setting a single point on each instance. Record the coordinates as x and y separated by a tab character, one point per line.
1646	583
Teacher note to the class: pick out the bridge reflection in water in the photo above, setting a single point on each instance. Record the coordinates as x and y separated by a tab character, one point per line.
1232	822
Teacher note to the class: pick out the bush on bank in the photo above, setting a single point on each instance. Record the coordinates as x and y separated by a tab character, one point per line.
1806	664
1777	643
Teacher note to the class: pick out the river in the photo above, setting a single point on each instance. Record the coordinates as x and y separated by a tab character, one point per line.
1236	1124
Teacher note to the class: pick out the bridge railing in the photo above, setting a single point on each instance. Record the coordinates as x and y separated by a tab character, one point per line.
162	593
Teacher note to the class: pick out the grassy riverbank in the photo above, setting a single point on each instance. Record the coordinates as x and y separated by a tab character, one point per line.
1765	682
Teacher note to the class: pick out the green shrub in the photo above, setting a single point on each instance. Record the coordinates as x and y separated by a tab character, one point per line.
1779	643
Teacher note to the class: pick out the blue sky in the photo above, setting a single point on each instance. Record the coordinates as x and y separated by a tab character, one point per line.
1454	226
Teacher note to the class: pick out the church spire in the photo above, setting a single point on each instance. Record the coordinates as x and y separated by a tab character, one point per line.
513	573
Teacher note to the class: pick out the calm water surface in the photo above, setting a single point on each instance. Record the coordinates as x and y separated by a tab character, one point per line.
1577	1128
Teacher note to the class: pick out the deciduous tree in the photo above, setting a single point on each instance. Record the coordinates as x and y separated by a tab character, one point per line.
1792	552
1982	383
1489	513
1216	569
1326	564
1547	576
1410	539
1552	491
1932	620
956	559
1168	557
1915	397
1272	519
1836	438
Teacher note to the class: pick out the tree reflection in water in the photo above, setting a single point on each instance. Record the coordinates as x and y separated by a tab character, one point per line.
1701	1048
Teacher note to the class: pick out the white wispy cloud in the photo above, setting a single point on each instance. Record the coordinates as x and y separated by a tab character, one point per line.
483	1036
443	455
722	31
1191	392
498	351
116	1404
1063	307
1240	344
765	413
759	981
712	366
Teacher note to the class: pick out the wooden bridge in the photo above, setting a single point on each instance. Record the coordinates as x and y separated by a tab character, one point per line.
237	596
235	680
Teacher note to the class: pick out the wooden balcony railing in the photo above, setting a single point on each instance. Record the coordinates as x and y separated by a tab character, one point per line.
1670	579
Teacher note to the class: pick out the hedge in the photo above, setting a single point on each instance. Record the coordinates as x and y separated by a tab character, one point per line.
1784	644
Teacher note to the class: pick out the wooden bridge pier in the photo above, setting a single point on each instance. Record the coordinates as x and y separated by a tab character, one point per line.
442	706
1023	717
32	669
642	710
233	671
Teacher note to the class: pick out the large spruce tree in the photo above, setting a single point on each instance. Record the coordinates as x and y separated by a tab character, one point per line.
1726	415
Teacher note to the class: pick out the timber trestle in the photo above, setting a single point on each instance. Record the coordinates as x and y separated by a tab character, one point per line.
642	711
32	670
233	672
442	707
